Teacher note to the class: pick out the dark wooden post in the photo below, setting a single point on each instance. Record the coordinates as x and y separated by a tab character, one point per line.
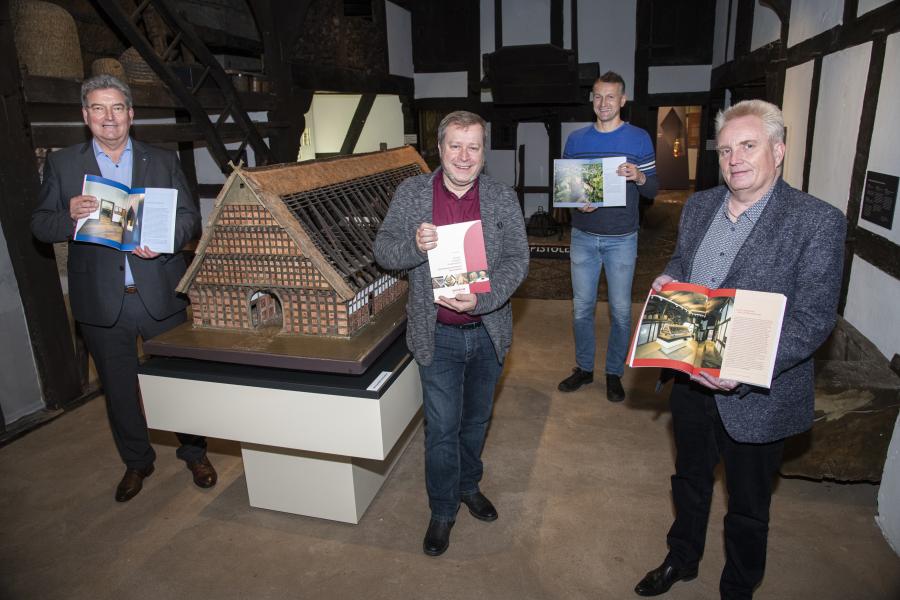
34	264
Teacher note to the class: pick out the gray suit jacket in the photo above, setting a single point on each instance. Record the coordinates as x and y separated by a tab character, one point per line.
796	249
507	254
97	273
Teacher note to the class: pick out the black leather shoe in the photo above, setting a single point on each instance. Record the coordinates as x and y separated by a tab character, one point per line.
203	472
437	538
480	507
659	580
574	381
131	483
614	390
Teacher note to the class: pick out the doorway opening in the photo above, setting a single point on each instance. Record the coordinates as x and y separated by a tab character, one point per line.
677	146
265	311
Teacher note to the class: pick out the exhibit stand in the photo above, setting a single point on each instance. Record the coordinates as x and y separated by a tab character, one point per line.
315	444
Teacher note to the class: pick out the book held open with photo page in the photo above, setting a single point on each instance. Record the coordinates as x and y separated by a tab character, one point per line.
588	182
727	333
127	218
459	261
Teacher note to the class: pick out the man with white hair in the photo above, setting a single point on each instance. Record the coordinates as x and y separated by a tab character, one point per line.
756	232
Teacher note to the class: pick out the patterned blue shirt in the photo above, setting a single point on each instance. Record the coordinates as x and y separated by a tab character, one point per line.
722	242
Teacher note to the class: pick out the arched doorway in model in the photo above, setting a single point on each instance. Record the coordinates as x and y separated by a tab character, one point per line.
265	311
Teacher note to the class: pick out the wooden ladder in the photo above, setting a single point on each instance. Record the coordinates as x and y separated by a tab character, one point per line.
157	56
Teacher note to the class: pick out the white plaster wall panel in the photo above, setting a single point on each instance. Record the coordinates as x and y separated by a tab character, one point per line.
606	35
385	124
500	164
841	91
332	115
721	32
682	78
399	38
871	306
526	22
766	26
867	5
441	85
537	151
888	517
797	86
567	23
884	154
809	18
20	391
486	14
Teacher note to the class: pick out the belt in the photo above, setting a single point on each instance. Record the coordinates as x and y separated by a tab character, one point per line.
472	325
130	289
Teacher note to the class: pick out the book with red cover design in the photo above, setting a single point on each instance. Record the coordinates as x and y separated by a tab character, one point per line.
728	333
459	261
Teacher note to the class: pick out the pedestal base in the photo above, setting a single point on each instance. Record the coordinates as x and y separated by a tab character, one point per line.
313	444
327	486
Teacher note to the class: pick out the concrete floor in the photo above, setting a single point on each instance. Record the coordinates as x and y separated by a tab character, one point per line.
582	487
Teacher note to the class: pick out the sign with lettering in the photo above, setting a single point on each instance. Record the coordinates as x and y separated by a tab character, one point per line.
880	199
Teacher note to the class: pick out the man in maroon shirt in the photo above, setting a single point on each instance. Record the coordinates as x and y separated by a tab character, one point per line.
459	343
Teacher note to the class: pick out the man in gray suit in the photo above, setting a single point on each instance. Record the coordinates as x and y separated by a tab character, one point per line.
117	296
755	233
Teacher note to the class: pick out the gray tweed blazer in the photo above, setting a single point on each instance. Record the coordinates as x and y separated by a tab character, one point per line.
507	253
796	249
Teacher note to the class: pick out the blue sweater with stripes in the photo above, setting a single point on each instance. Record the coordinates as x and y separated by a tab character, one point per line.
634	144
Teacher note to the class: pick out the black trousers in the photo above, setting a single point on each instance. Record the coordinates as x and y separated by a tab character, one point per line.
750	469
115	354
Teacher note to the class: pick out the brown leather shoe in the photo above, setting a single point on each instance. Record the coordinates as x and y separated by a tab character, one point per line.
203	472
131	483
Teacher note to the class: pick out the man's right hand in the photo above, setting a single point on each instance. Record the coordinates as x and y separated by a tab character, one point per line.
660	281
82	206
426	237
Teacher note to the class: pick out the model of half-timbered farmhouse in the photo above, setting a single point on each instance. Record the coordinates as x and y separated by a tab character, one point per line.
289	248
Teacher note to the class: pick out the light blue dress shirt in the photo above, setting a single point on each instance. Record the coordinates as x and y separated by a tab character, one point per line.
120	172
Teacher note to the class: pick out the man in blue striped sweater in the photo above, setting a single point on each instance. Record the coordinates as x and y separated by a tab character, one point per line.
607	237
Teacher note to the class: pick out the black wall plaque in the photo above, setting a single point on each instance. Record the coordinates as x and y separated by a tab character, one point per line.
880	199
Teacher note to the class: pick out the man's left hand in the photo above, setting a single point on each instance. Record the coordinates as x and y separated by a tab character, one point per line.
461	303
631	173
144	252
714	383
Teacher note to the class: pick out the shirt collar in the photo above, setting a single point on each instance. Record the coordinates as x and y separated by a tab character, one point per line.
753	213
470	194
99	151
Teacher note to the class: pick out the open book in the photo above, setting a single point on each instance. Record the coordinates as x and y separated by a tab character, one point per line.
459	261
731	334
588	182
128	218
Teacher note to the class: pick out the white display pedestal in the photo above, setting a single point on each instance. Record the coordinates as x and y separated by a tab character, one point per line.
323	451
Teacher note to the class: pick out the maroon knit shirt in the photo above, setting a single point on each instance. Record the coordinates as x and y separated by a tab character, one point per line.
447	209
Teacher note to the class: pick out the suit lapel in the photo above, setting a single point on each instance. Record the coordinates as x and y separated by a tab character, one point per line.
88	160
489	224
140	161
763	232
701	230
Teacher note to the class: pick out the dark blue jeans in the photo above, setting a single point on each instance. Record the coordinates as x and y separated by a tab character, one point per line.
458	394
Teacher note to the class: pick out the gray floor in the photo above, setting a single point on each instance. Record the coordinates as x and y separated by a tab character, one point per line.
582	487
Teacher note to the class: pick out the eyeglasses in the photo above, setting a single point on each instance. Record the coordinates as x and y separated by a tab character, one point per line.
100	110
